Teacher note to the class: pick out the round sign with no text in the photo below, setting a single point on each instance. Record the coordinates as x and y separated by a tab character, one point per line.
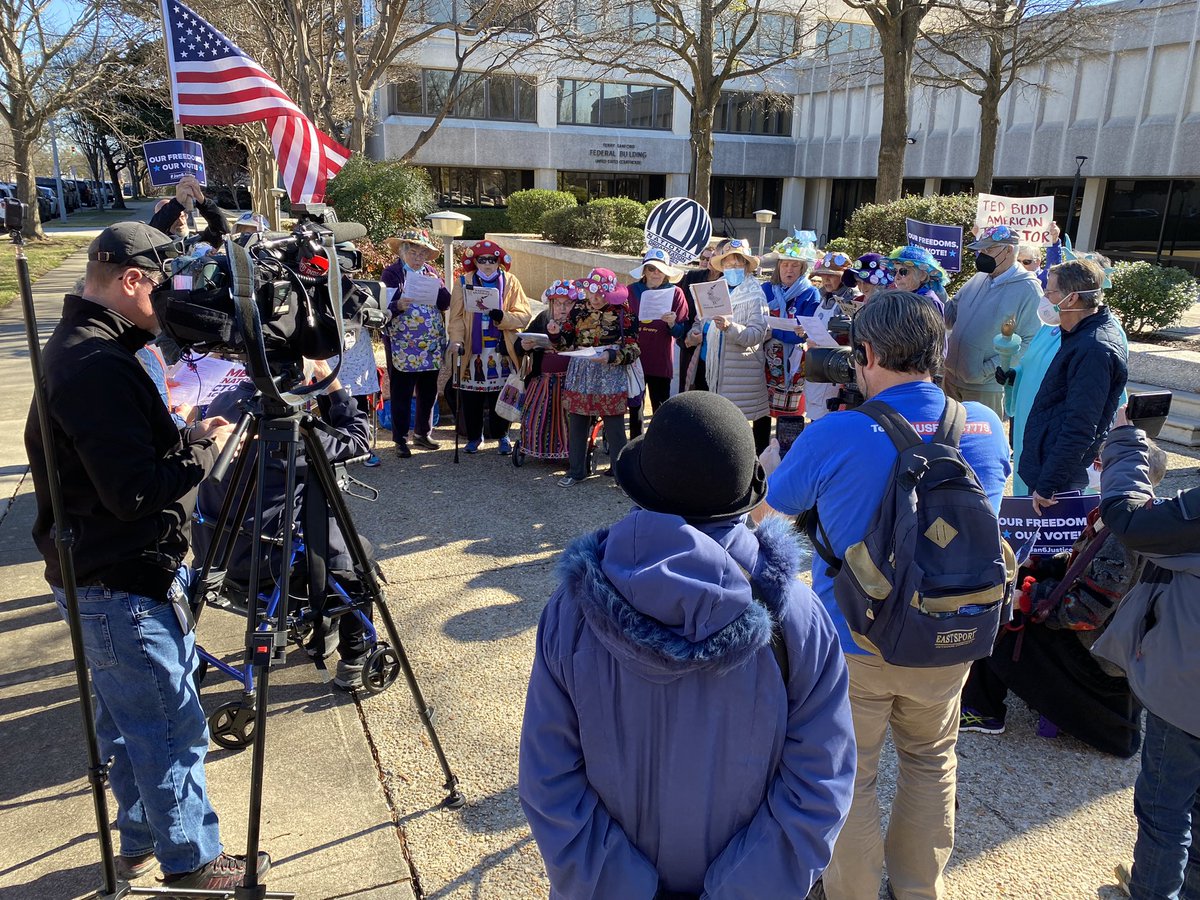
680	227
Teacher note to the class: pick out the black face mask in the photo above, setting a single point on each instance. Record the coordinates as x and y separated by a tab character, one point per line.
985	263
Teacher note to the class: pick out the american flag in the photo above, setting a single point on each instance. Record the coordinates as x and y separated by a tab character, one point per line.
214	83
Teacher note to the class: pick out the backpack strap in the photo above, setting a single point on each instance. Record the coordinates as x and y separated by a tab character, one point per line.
898	429
951	425
778	644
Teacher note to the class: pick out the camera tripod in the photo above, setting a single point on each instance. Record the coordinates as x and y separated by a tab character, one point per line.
274	427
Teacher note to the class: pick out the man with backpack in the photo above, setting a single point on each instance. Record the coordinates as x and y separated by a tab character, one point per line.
918	524
687	730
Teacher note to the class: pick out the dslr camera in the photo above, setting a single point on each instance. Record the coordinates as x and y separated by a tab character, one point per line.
835	365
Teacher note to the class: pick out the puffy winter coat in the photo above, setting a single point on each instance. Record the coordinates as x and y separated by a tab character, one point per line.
661	748
735	366
1074	406
1154	634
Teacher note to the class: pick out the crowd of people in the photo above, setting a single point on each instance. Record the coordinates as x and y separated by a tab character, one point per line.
700	722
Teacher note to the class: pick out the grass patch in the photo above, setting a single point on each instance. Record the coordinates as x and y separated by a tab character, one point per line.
43	256
90	218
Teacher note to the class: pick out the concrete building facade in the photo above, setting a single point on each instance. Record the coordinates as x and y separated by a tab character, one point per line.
1131	107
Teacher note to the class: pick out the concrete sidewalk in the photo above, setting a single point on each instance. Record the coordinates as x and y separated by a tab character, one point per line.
326	819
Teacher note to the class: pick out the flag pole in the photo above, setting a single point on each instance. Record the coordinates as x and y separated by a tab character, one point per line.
174	83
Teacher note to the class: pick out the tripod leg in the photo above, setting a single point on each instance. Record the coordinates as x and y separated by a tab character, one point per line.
319	463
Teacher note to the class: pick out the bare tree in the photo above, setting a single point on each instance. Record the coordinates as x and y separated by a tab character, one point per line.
898	23
984	46
48	57
698	47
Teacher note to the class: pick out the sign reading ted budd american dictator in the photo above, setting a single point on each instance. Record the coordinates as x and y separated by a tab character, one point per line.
1031	217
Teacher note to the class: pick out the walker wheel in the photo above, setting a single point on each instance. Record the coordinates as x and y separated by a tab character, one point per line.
300	629
381	669
232	725
518	454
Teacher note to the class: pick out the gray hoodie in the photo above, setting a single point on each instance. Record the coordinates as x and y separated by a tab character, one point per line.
1154	634
976	313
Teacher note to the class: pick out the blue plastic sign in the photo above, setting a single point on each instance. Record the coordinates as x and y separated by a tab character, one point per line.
1053	532
680	227
943	241
169	161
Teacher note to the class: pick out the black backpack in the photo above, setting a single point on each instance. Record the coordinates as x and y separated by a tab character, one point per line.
930	584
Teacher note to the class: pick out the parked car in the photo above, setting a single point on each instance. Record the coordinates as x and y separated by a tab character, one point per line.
51	200
70	191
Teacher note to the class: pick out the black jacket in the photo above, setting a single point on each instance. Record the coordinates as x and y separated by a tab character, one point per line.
128	479
352	424
1074	406
215	225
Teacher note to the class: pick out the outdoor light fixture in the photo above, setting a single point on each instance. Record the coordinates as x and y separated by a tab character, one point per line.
910	140
1079	161
448	225
764	218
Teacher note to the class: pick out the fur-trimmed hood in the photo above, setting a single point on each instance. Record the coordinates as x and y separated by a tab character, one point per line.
666	597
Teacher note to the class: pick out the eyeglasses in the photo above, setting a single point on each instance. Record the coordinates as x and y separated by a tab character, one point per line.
487	260
155	278
903	270
1027	262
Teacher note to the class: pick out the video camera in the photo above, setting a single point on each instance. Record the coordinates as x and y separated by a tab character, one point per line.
273	301
835	365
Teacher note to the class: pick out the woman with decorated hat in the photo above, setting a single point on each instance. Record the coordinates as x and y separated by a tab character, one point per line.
484	336
730	359
914	269
414	339
656	335
836	280
543	419
597	385
789	294
872	274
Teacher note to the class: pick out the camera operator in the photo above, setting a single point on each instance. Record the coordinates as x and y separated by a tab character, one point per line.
170	214
352	425
842	463
129	477
1153	638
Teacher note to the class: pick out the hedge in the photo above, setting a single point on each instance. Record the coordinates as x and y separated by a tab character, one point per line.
1146	297
526	208
384	196
628	213
483	220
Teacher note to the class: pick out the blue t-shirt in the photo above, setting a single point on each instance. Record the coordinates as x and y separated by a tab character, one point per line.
845	459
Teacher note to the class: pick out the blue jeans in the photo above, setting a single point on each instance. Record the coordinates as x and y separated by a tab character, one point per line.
1166	802
150	722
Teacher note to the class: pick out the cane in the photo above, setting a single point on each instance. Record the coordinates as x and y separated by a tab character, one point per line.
456	359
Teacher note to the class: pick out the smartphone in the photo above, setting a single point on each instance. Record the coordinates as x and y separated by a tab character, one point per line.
1149	410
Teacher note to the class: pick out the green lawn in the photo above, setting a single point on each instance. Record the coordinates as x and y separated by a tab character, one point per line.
90	218
43	256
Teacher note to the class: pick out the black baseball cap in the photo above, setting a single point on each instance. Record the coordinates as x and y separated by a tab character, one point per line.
133	244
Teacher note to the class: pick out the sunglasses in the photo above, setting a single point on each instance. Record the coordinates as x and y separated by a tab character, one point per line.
156	278
1027	262
903	270
487	260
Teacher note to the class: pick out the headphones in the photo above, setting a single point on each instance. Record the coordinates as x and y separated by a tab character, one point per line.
859	351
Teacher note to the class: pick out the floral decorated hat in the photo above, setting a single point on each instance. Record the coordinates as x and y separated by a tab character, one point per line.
802	245
562	288
417	236
485	248
603	281
873	269
919	258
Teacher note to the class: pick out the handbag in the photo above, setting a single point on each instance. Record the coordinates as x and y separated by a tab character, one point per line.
512	395
635	382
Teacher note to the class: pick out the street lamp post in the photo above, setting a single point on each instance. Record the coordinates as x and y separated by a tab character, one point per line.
1079	160
62	201
763	217
448	225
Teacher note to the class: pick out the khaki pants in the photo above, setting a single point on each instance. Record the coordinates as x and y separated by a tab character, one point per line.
922	707
994	400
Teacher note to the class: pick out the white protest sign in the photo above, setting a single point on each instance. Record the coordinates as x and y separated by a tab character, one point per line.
713	298
199	382
1030	217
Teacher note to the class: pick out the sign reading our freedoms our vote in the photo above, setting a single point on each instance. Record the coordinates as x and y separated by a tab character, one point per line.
1031	217
169	161
943	241
1055	532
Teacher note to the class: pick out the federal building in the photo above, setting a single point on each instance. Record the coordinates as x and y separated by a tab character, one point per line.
1124	116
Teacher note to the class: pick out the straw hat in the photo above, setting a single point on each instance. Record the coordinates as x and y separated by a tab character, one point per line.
417	236
735	247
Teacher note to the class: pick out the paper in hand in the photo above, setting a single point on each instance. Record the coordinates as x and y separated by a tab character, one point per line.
421	289
713	298
782	324
481	300
591	354
655	304
818	334
540	341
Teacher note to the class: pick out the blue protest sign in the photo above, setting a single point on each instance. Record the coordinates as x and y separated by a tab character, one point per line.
943	241
169	161
1052	533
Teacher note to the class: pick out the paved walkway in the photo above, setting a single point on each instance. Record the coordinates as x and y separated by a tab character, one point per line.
469	552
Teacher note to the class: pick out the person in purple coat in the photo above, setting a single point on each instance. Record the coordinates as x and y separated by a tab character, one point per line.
687	727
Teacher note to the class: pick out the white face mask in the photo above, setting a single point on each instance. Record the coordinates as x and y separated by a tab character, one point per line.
1047	313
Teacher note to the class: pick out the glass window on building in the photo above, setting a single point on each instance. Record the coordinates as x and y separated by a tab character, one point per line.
593	185
404	97
848	194
471	102
738	198
499	96
842	37
776	34
614	104
1152	219
744	112
457	186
